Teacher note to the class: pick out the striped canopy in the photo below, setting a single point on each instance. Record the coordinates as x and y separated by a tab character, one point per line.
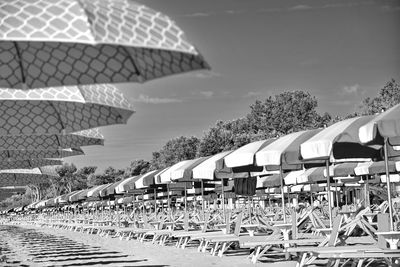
339	143
164	177
206	169
290	178
94	192
184	172
146	180
126	184
109	190
51	141
378	167
268	181
61	110
312	175
384	125
284	151
70	42
79	195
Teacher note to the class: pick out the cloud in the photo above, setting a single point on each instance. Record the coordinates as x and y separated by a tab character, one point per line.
233	12
155	100
207	94
207	74
300	7
352	89
253	94
198	14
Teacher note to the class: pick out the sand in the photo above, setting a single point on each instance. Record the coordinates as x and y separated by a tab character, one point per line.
36	246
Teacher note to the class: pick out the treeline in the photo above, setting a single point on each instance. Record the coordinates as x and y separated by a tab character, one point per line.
274	116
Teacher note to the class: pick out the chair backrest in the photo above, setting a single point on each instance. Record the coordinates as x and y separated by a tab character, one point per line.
238	224
383	226
335	230
186	222
206	219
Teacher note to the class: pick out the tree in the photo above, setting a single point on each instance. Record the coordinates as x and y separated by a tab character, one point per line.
388	97
137	167
175	150
110	175
286	113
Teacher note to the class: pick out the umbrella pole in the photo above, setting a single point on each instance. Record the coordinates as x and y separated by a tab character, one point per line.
329	193
367	202
202	198
223	198
282	194
169	202
388	182
155	201
185	199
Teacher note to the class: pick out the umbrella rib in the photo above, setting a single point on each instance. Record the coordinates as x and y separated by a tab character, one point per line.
19	58
58	115
137	71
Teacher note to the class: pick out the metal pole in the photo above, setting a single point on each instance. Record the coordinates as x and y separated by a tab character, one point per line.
388	182
223	198
328	176
282	194
367	203
155	201
185	199
202	198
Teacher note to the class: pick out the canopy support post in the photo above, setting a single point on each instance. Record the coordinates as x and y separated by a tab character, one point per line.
282	194
223	198
328	176
385	148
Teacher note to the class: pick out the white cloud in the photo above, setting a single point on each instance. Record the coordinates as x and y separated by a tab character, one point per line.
207	94
253	94
352	89
300	7
206	74
198	14
155	100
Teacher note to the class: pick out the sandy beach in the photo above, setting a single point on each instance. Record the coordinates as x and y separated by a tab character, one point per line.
34	246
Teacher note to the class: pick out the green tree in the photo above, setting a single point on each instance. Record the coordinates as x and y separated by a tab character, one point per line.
286	113
137	167
175	150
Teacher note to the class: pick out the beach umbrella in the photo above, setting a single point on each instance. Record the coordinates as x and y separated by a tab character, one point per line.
28	163
339	143
184	173
146	180
51	141
22	177
12	155
78	195
94	192
126	184
382	129
110	190
74	42
61	110
277	155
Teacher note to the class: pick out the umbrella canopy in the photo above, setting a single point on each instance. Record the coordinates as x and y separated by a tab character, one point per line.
61	110
290	178
94	192
79	195
71	42
339	142
312	175
22	177
284	151
51	141
126	184
384	125
9	155
28	163
146	180
164	177
206	169
185	171
268	181
378	167
110	190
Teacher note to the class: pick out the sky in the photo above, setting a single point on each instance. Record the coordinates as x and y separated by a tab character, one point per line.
338	51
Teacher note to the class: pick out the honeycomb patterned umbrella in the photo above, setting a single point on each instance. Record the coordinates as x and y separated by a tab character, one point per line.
46	43
28	163
51	141
10	155
61	110
22	177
